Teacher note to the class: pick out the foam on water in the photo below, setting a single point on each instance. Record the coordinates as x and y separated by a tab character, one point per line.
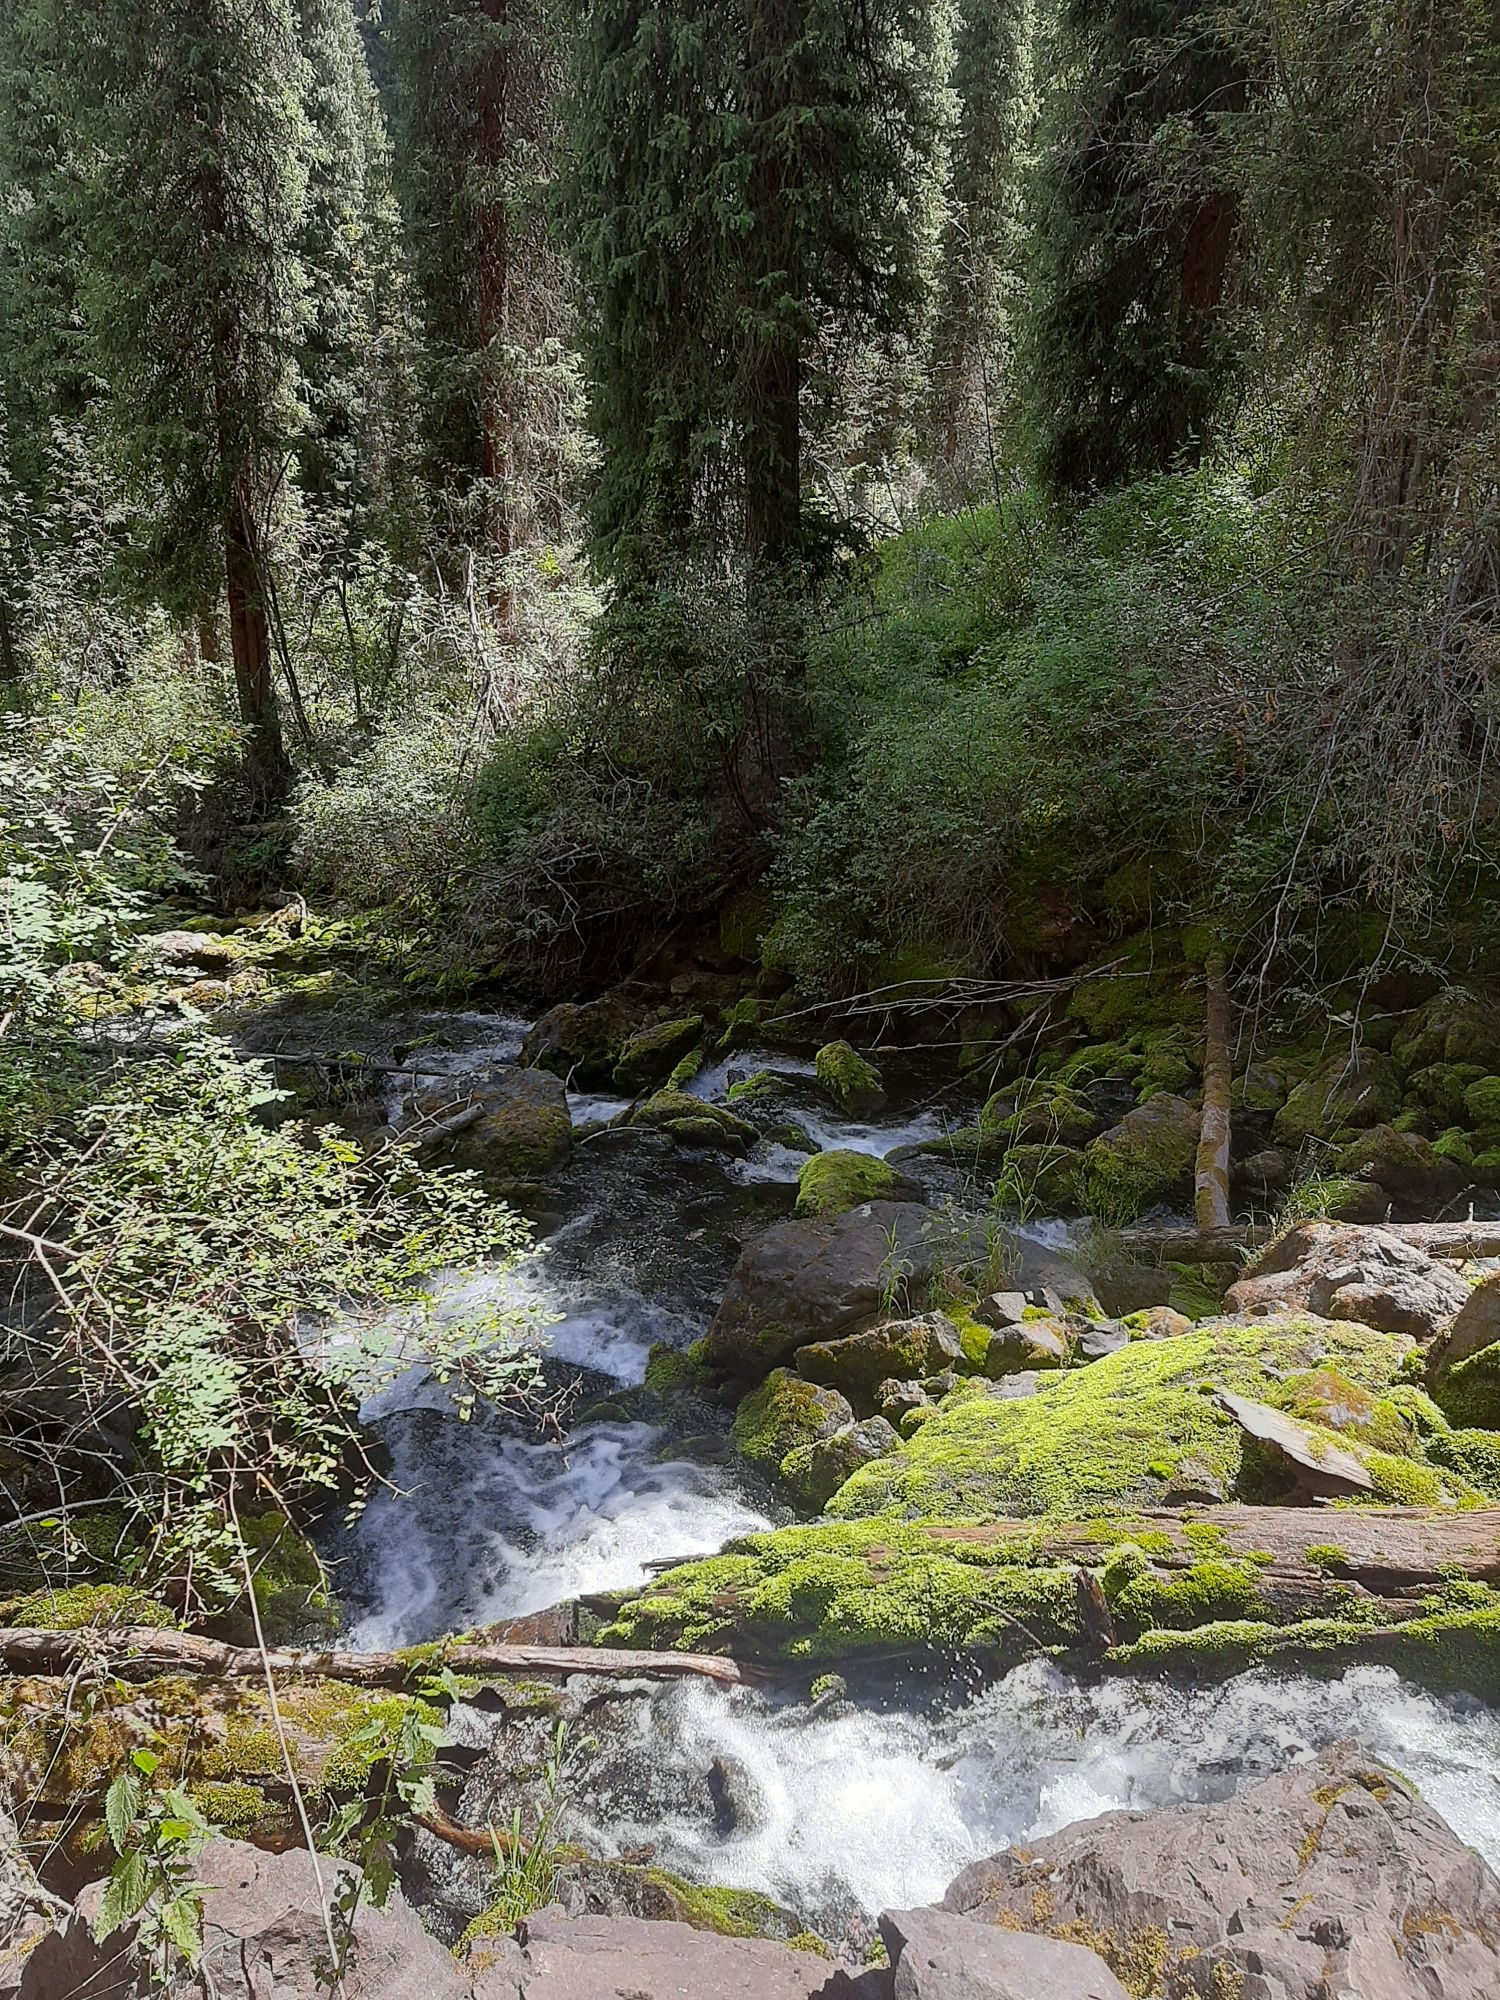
864	1811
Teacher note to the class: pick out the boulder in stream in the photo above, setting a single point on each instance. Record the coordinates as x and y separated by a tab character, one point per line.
939	1956
1332	1878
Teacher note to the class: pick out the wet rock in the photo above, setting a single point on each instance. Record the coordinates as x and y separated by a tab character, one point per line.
691	1122
605	1958
580	1041
1333	1878
1149	1154
860	1362
939	1956
834	1182
820	1279
185	950
815	1472
1350	1091
1034	1343
853	1083
651	1054
1344	1271
526	1131
1310	1465
263	1939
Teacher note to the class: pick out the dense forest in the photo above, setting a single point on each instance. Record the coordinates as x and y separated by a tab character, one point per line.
836	657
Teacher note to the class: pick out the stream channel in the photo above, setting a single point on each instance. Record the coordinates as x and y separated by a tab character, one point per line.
858	1808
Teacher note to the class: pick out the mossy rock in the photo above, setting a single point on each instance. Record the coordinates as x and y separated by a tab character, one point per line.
75	1606
691	1122
1042	1179
1058	1116
1349	1092
904	1350
1455	1026
1118	1432
853	1083
654	1053
975	1149
743	923
741	1024
1441	1089
1473	1454
291	1587
1144	1159
526	1132
1469	1393
814	1472
672	1372
784	1413
834	1182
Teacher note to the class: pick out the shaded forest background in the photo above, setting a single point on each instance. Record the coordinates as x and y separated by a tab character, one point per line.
991	474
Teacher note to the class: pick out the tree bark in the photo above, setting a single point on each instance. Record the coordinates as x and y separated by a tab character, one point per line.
492	307
1211	1178
142	1652
250	649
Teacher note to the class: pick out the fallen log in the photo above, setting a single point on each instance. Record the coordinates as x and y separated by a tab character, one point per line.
1453	1242
142	1651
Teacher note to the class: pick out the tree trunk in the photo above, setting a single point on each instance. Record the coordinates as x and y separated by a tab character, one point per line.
492	307
1211	1179
1454	1242
139	1652
250	648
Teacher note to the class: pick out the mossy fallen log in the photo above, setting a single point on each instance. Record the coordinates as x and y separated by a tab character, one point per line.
139	1651
1452	1242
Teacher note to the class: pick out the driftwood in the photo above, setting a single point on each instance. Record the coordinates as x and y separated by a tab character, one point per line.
140	1651
1454	1242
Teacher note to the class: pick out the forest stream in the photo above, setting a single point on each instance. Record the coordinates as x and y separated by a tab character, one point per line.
855	1807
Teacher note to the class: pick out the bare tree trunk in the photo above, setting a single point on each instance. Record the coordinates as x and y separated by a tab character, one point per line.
1453	1242
1211	1178
250	648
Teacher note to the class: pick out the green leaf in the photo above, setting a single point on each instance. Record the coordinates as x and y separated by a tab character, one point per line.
125	1894
120	1805
145	1760
182	1922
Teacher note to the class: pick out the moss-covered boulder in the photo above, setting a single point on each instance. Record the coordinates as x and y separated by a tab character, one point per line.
1404	1165
900	1350
581	1041
814	1472
853	1083
833	1182
973	1149
1118	1432
1055	1115
1346	1092
692	1122
1455	1026
1146	1158
785	1413
526	1131
653	1053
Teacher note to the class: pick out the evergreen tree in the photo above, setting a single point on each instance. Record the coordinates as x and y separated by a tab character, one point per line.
189	208
1129	351
743	177
970	341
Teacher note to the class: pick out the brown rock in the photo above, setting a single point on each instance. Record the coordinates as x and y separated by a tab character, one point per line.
607	1958
938	1956
1330	1881
1345	1271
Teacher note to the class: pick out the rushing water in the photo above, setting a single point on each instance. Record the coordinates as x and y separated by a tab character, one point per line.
854	1809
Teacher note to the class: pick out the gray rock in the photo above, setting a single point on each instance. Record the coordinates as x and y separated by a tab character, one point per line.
900	1348
1002	1309
1127	1287
1330	1881
1476	1327
1346	1271
815	1472
263	1939
1094	1338
894	1400
939	1956
610	1958
201	950
1316	1468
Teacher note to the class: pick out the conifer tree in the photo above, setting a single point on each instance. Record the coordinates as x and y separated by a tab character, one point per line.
189	206
1129	349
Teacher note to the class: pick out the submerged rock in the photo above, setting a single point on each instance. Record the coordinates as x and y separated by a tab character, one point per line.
1333	1878
1343	1271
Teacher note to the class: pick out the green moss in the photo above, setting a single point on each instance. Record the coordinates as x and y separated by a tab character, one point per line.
82	1604
1454	1145
1469	1395
686	1070
739	1913
691	1122
1474	1454
743	922
1345	1092
291	1589
670	1372
834	1182
1098	1437
1195	1291
1147	1156
785	1412
741	1024
654	1052
852	1083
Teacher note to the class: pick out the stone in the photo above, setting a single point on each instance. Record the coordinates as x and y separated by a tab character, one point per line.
1267	1171
651	1054
1314	1466
27	1911
1352	1090
1261	1088
1149	1155
939	1956
627	1958
1452	1027
1347	1271
580	1041
853	1083
1157	1323
895	1400
691	1122
526	1131
822	1278
814	1472
1476	1326
1403	1164
860	1362
263	1939
1127	1287
833	1182
1329	1881
1094	1338
186	949
1034	1343
1002	1309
